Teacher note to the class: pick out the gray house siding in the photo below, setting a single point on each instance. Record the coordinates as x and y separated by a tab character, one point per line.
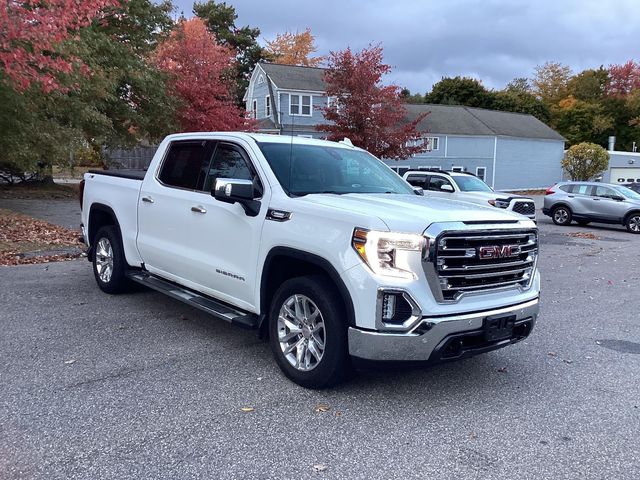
527	163
301	124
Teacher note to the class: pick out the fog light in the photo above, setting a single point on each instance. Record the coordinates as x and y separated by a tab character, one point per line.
388	306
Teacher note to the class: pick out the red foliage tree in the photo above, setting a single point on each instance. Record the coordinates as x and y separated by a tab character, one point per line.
370	114
623	79
199	70
30	31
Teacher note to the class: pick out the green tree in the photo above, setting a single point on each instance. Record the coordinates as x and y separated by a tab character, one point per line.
521	101
518	85
221	21
584	161
579	121
460	91
589	85
407	97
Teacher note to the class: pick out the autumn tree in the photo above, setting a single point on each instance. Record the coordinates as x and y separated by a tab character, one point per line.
584	161
367	112
551	82
220	19
459	91
589	85
31	32
623	79
294	49
197	65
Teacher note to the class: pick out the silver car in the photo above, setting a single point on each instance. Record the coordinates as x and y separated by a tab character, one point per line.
586	202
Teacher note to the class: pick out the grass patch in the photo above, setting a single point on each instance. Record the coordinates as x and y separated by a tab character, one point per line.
24	239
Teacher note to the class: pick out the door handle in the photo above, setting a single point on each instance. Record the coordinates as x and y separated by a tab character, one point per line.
198	210
596	199
147	199
571	196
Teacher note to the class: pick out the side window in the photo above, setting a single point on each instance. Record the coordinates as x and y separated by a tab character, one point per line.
182	166
604	192
567	188
581	189
228	161
416	180
436	183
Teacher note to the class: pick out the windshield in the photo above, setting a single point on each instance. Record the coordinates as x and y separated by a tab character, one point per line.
468	183
627	192
306	169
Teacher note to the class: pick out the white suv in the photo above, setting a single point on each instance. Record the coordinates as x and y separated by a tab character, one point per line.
468	188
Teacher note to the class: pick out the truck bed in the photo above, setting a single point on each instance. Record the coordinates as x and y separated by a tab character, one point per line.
130	173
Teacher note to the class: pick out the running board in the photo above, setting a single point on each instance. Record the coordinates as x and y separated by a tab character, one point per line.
195	299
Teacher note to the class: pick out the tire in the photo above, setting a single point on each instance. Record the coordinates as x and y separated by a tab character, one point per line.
311	352
109	264
583	223
561	215
633	223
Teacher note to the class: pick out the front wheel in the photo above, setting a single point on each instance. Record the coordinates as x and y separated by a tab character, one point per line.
109	264
633	223
561	215
307	332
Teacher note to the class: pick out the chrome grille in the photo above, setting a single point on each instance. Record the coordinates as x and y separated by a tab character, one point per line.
525	208
480	261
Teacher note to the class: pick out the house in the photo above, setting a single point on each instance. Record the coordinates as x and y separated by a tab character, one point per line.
286	99
624	167
509	151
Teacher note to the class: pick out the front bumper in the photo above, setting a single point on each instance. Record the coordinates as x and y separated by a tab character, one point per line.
444	338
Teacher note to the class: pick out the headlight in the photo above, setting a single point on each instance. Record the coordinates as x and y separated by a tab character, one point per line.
388	253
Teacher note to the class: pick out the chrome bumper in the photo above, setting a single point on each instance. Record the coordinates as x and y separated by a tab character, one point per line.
432	335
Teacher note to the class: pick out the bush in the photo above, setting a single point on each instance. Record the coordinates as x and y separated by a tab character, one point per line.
585	160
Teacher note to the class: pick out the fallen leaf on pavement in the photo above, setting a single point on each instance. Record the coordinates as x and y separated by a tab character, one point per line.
69	362
247	409
319	468
552	354
321	408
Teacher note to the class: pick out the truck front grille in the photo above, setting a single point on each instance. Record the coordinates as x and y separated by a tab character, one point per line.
471	262
527	208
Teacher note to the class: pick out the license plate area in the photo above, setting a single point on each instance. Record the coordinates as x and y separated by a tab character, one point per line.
499	327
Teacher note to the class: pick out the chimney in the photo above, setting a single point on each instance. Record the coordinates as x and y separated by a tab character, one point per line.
612	143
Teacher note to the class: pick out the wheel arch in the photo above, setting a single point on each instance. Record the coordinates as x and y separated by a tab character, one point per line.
628	214
298	263
100	215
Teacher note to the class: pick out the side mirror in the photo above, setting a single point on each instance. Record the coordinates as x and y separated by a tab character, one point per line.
234	190
446	188
418	190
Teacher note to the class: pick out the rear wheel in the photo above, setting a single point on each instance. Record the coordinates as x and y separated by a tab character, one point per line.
633	223
109	264
561	215
307	332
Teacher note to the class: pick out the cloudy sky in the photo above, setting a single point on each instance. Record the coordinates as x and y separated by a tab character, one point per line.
492	40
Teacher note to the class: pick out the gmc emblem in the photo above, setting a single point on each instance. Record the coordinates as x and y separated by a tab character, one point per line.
498	251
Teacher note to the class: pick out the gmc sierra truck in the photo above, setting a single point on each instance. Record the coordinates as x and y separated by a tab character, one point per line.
319	246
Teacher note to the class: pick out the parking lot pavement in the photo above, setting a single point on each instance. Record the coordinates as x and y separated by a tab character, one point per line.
63	212
142	386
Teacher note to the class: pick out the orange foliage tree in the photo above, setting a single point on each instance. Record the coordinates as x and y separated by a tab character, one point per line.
294	49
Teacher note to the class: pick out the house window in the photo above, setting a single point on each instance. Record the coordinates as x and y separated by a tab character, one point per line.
481	173
416	142
300	105
267	106
254	109
457	169
432	143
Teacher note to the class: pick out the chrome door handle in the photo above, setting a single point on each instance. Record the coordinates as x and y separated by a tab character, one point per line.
147	199
198	210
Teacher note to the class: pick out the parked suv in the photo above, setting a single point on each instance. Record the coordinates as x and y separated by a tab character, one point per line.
468	188
587	202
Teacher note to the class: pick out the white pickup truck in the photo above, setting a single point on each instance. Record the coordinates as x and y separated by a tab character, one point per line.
317	245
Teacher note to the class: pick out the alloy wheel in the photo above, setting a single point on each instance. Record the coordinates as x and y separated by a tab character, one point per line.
301	332
104	259
561	215
634	223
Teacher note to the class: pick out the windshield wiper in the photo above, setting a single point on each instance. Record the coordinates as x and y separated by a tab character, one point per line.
302	194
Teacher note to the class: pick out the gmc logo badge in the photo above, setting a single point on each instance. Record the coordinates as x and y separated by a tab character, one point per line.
498	251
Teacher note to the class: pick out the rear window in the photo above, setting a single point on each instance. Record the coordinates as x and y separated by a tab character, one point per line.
183	165
566	188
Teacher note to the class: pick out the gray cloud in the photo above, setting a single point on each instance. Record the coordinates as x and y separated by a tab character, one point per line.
492	40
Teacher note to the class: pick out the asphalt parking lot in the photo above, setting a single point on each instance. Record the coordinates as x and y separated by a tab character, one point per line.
141	386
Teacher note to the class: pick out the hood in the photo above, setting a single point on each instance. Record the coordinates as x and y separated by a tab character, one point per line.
410	213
